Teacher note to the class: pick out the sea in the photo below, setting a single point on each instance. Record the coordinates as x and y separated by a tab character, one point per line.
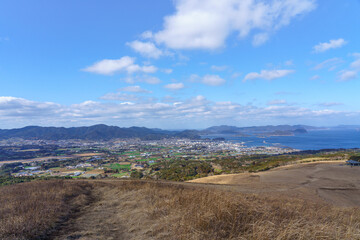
313	140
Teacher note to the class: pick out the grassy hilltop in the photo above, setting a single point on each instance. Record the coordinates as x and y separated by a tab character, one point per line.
133	209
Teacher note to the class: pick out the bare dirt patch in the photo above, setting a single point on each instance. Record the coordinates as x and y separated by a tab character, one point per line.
95	171
334	182
51	157
87	154
96	220
33	159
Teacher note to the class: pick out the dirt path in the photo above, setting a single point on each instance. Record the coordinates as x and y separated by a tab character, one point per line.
93	221
115	212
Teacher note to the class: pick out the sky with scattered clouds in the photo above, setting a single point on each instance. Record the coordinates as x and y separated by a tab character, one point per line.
178	64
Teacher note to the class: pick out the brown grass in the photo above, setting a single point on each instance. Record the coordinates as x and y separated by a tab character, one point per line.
179	212
32	210
95	171
159	210
87	154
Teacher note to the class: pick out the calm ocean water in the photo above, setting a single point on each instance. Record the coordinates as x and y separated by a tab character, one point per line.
313	140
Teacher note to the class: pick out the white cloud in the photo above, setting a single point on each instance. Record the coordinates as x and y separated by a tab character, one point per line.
347	75
149	69
352	73
330	104
174	86
120	97
150	80
315	77
334	43
169	99
285	93
277	102
208	79
142	78
135	89
356	65
146	49
19	107
195	112
330	64
213	80
289	63
235	75
219	68
167	71
268	74
147	35
205	24
260	39
194	78
124	64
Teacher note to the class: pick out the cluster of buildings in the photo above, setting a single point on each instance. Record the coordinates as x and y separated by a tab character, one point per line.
121	156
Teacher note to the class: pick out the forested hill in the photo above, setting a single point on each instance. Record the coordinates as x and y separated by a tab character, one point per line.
104	132
96	132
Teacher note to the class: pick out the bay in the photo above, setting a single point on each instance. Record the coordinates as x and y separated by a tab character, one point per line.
313	140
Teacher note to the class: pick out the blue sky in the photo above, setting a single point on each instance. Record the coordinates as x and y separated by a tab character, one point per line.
179	64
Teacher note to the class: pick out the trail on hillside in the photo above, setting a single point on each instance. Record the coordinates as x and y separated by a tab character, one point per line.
114	213
95	220
155	210
120	209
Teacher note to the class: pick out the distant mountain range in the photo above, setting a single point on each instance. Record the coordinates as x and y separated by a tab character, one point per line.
104	132
280	130
346	127
96	132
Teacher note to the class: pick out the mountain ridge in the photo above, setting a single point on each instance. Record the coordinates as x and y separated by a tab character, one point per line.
105	132
95	132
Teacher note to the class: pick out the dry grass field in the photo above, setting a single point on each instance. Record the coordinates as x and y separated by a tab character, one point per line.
32	160
332	182
39	159
129	209
87	154
33	210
